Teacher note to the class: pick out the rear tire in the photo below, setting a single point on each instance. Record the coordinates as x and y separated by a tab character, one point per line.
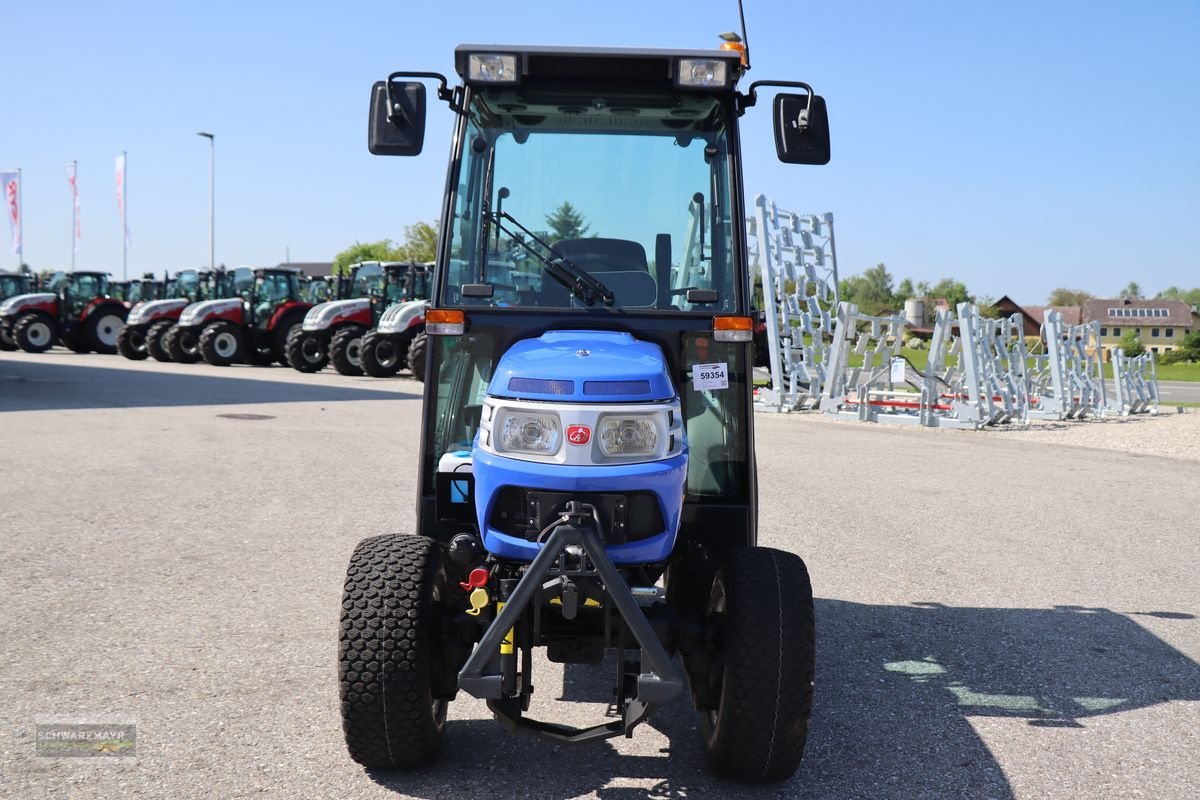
388	652
221	344
762	608
345	350
306	350
154	339
383	355
102	330
417	352
34	333
7	343
131	343
182	345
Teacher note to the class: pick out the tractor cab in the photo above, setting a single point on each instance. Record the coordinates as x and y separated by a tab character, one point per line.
272	289
320	290
587	471
82	288
15	283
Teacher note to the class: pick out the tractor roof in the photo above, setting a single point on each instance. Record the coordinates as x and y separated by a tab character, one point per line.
569	64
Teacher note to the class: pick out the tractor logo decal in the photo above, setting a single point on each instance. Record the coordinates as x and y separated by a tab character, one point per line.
579	434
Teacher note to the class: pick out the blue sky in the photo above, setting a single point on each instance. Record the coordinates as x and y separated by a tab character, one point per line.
1016	146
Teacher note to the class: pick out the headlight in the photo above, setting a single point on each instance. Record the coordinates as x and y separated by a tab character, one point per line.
702	73
628	436
492	68
540	434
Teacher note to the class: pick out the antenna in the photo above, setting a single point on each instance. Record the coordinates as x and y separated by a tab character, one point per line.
745	38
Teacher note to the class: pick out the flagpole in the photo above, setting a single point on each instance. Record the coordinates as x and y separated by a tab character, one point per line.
20	221
74	211
124	214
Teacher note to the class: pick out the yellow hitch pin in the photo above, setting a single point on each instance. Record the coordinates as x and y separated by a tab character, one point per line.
479	599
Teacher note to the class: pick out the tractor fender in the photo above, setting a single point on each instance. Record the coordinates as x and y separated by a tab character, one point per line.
287	311
45	302
103	303
207	311
327	315
403	316
154	310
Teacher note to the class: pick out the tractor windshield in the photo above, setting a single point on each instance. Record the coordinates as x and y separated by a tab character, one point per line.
87	286
367	280
11	285
636	197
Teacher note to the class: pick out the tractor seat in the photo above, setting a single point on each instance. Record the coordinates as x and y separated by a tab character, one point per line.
602	255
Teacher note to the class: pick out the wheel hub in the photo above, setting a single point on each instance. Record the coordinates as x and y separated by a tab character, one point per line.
311	349
354	352
225	344
38	334
107	328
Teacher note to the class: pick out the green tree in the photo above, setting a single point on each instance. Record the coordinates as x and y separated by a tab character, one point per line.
871	292
953	291
905	290
1131	344
1068	297
1133	291
420	243
383	250
987	307
567	223
1189	296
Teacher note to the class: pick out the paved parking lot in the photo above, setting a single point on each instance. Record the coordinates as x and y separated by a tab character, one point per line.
998	616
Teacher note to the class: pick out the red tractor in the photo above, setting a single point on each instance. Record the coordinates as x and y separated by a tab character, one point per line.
77	312
252	328
148	323
11	285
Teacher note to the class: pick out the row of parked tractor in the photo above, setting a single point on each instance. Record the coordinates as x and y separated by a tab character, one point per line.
370	319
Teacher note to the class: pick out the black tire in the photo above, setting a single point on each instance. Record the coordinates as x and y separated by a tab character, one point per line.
417	352
221	344
74	345
388	652
103	328
762	609
306	350
7	342
277	351
345	350
182	344
131	343
383	355
154	339
34	333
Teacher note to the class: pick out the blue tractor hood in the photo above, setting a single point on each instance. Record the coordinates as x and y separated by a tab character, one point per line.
583	367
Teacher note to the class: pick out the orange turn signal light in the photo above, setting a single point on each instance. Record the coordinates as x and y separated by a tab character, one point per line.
733	329
445	321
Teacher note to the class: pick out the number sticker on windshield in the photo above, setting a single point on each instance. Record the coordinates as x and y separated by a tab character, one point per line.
710	376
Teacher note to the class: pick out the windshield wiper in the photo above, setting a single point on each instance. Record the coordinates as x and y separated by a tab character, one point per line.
583	285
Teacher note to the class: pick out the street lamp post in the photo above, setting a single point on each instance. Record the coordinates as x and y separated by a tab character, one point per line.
212	216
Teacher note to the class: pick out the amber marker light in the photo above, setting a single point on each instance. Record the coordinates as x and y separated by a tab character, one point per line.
445	321
733	329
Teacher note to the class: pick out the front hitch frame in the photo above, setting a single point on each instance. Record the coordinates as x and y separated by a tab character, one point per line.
480	676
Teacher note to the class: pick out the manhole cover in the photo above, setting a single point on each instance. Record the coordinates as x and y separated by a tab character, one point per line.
245	416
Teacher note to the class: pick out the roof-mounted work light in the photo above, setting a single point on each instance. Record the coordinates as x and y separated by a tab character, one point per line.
702	73
494	68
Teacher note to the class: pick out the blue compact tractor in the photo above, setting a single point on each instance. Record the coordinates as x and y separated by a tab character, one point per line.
587	478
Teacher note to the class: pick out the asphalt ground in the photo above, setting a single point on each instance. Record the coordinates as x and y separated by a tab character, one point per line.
997	618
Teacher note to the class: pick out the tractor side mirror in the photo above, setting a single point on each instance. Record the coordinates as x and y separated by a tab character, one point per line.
801	129
397	124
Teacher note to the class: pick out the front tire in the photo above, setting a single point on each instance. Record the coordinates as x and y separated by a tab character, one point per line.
182	344
34	333
131	343
306	351
383	355
345	350
388	652
7	342
154	339
101	331
762	608
221	344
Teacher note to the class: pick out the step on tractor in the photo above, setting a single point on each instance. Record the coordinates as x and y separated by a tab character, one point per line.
182	344
332	329
251	328
11	285
398	339
146	329
76	311
587	481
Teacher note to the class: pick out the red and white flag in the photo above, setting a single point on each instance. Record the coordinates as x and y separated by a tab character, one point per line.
75	197
121	197
10	185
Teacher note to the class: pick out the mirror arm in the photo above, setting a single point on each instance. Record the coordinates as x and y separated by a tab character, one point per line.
452	97
750	98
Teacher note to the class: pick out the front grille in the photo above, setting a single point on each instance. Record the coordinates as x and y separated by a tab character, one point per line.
628	517
541	386
616	388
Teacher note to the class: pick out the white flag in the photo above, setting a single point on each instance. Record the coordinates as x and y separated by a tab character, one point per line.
121	197
10	185
75	196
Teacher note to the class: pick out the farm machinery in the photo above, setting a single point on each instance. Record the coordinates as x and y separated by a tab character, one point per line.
586	470
148	323
11	285
398	339
76	311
